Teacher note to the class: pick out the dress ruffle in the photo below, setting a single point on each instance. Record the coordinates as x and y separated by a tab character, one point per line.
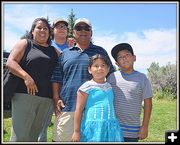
101	131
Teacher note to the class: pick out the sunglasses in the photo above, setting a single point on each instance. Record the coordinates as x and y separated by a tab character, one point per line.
80	28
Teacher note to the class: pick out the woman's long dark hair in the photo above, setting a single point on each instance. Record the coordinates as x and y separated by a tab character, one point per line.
30	35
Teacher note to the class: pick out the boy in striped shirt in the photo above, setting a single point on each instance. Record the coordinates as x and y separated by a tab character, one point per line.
130	88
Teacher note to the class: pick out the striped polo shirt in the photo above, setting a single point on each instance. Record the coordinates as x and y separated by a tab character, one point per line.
72	71
129	90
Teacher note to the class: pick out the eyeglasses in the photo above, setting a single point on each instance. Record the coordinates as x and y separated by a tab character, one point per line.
61	27
80	28
127	55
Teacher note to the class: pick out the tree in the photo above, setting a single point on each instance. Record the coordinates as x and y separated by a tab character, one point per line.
71	20
154	75
25	35
163	78
47	18
169	78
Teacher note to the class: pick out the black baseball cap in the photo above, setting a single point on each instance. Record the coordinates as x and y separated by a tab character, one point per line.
119	47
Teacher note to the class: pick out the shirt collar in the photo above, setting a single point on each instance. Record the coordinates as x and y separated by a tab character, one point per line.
91	45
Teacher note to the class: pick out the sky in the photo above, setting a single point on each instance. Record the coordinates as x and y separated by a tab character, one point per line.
149	27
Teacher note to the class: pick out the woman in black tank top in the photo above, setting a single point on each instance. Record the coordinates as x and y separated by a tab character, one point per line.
33	95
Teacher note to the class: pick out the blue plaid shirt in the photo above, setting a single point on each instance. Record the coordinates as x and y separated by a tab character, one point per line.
72	71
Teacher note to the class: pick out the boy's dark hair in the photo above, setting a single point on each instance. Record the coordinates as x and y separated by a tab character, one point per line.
98	56
119	47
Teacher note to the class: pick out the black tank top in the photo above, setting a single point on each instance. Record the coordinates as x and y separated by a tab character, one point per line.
39	64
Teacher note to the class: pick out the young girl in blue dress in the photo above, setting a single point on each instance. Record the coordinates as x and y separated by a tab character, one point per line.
95	119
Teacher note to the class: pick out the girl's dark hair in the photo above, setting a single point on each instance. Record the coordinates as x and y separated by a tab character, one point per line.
99	56
30	36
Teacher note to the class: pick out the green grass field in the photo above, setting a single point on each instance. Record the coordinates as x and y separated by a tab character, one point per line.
163	118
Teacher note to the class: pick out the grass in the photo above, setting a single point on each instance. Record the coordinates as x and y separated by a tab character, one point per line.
163	118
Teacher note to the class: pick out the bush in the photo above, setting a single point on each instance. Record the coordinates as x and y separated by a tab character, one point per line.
163	79
164	95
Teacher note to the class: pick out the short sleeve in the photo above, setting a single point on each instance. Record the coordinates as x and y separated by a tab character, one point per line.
147	91
85	87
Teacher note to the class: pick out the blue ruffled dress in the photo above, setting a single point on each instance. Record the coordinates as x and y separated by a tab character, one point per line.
99	123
